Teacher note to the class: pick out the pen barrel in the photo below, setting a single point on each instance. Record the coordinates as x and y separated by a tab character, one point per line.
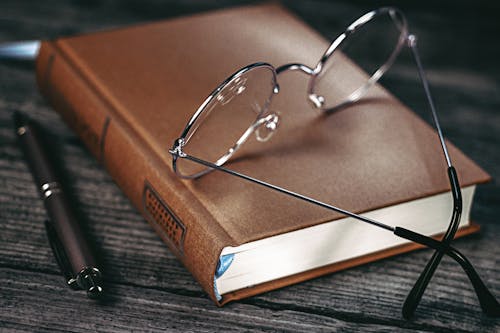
37	157
69	232
62	217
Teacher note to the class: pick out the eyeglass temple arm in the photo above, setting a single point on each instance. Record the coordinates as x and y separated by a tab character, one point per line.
412	44
488	302
416	293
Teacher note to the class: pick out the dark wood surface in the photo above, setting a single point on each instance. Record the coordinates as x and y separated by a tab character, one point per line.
147	287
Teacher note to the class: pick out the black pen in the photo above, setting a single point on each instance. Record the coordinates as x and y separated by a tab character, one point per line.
65	235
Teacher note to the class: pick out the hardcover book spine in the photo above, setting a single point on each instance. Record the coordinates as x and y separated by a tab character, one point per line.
172	210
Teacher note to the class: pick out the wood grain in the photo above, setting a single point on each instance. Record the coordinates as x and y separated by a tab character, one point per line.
148	289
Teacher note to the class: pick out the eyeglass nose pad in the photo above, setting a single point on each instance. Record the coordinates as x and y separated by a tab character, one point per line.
276	89
266	130
317	100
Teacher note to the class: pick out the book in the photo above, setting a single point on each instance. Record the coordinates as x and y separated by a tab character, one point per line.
128	93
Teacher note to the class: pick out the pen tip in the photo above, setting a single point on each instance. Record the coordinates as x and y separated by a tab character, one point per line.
94	292
89	279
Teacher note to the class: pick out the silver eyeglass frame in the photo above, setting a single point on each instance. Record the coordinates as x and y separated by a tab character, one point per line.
442	247
261	119
401	24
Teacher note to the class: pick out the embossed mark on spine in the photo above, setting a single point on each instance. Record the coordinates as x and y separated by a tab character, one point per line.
159	213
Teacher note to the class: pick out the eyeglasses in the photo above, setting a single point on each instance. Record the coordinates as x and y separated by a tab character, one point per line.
240	107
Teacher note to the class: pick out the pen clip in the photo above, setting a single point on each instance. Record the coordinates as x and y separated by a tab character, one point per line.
60	255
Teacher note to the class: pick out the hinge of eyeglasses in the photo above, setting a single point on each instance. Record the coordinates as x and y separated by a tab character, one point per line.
177	149
411	40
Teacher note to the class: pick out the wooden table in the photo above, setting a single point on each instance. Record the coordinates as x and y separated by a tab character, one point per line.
147	287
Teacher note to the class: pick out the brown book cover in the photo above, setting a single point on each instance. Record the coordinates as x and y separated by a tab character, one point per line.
128	93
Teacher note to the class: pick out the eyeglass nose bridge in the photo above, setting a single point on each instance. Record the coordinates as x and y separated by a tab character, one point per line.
295	67
317	100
